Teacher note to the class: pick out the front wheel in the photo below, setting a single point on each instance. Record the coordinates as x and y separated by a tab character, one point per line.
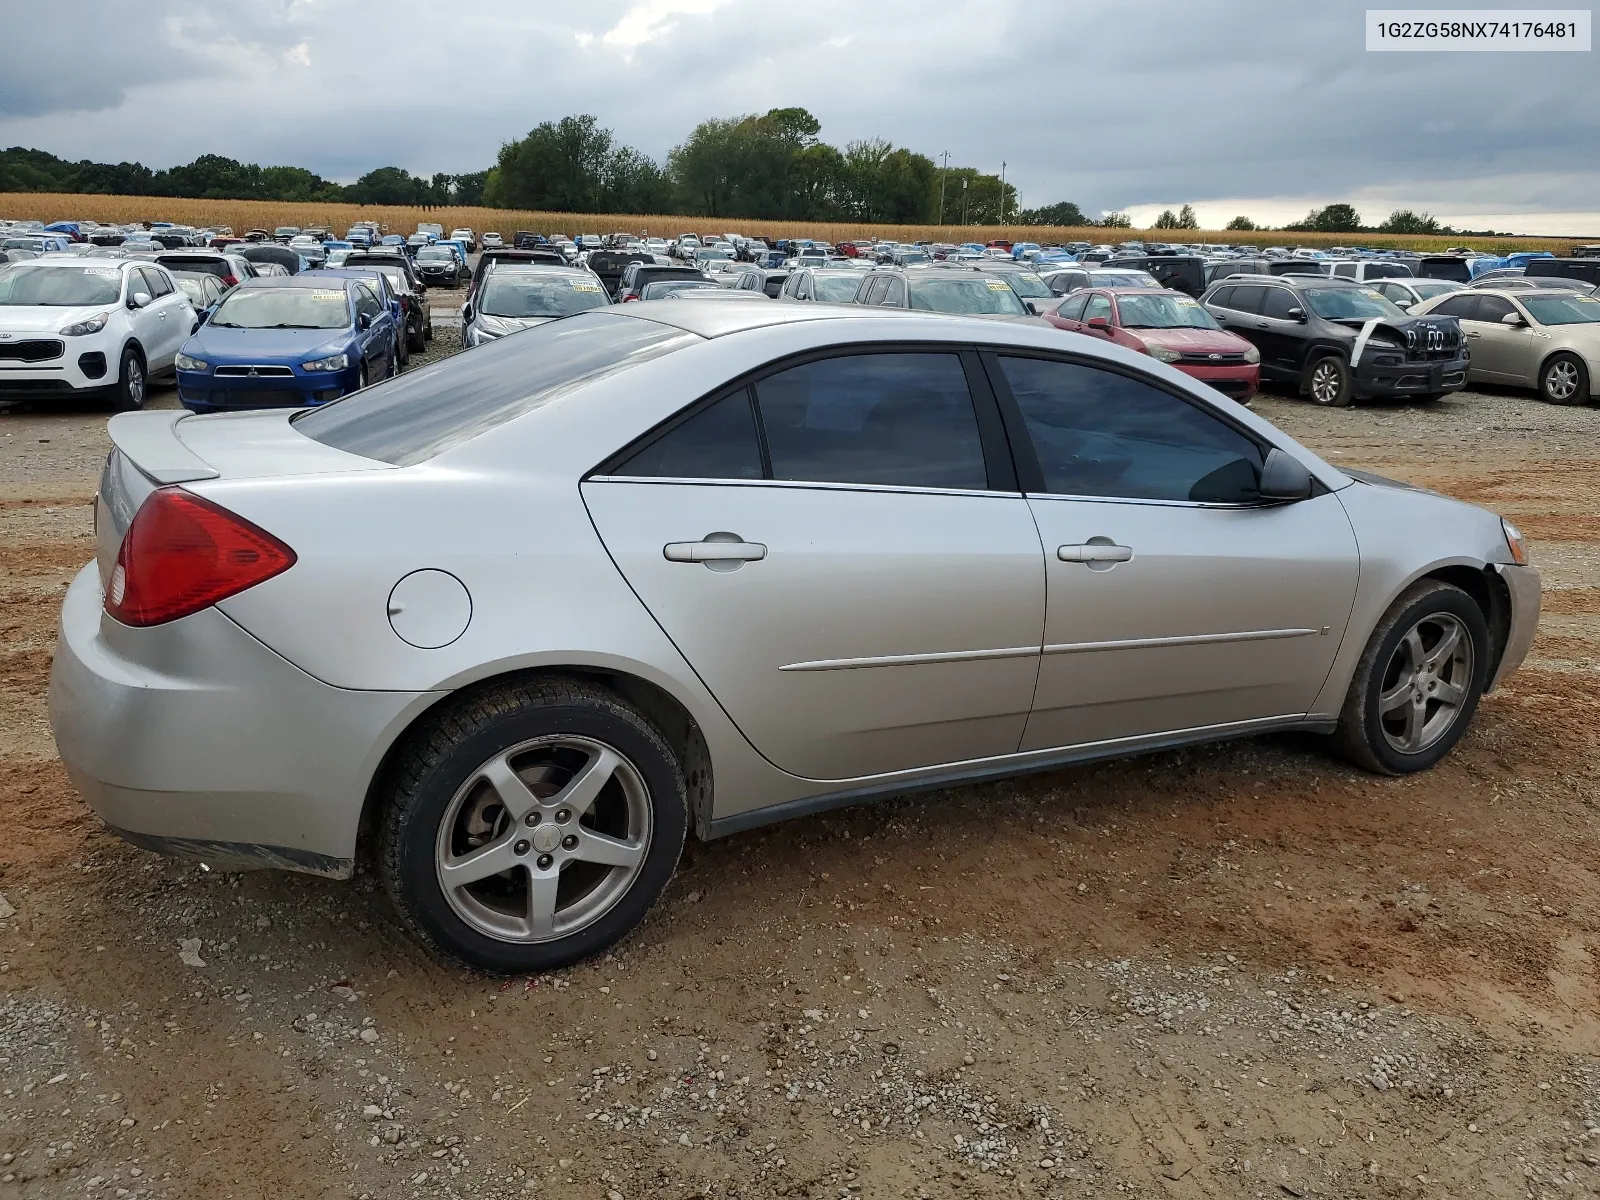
1564	380
1328	383
1418	681
531	825
132	383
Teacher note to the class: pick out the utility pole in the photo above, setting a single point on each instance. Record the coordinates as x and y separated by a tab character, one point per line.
943	172
963	201
1002	191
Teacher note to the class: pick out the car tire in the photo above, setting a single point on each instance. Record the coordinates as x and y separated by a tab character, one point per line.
1413	695
417	339
1328	382
541	740
1564	379
133	382
361	377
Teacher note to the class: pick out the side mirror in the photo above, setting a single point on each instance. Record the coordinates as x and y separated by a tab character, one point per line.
1297	314
1100	323
1284	477
138	299
1511	319
466	313
1404	303
363	321
201	317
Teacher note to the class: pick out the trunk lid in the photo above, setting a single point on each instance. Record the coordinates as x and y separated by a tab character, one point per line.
160	449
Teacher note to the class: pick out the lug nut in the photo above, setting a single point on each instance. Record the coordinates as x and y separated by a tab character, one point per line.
532	818
564	816
570	842
544	861
522	847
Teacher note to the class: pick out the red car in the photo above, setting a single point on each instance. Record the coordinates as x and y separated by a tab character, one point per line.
1170	327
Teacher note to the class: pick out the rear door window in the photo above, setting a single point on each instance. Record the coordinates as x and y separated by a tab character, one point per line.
1248	297
717	442
1277	303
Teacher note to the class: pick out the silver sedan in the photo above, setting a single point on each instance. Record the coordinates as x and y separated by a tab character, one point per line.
514	624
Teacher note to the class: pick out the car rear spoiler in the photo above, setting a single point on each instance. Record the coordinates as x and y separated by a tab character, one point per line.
149	440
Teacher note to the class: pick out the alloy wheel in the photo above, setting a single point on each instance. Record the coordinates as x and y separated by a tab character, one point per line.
1426	683
135	384
1561	380
544	838
1325	382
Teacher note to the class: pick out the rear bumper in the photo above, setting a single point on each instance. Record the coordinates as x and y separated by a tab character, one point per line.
1522	583
1377	378
195	739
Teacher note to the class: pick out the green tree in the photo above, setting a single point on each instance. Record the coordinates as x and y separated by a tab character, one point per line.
559	166
1244	223
1335	218
980	201
1116	220
1403	220
387	185
1167	220
469	188
1187	219
1063	212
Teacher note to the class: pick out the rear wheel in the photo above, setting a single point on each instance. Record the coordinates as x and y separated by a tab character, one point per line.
416	335
531	826
1418	681
1328	382
1564	380
132	383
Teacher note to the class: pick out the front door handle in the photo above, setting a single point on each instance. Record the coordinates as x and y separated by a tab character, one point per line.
1094	552
1474	335
725	547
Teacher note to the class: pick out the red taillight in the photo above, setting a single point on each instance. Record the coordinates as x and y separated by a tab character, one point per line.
182	554
231	280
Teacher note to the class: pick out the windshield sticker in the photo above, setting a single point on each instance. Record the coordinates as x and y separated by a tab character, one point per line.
320	295
1185	302
108	272
1586	300
579	285
999	285
1370	294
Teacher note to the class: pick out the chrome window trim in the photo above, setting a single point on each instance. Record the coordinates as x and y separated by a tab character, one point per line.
806	485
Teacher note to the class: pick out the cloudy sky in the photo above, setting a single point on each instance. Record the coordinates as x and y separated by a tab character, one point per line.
1262	107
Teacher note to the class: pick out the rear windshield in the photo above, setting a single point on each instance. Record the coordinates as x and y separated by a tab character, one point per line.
975	295
409	419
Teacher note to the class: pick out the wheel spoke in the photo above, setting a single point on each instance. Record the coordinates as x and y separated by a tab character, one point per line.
1413	644
1450	693
542	888
1395	696
609	851
1446	647
1416	716
516	796
585	785
480	864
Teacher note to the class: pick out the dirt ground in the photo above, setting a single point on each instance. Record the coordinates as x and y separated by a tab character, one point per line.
1239	971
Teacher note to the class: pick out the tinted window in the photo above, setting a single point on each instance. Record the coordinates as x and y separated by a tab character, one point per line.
1223	296
1462	305
1492	308
718	442
159	281
1098	433
410	419
1345	270
1247	297
1386	271
1277	303
898	419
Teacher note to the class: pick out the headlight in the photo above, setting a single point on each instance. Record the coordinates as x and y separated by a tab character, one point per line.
1514	543
1252	355
185	363
1384	344
334	362
93	325
1164	354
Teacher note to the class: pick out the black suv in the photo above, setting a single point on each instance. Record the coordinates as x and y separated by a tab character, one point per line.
406	284
1338	341
636	275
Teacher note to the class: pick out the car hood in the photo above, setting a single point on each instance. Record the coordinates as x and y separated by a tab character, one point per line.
42	318
214	343
1193	341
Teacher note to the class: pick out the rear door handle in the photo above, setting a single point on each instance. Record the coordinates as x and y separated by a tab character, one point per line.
1262	325
1093	552
727	548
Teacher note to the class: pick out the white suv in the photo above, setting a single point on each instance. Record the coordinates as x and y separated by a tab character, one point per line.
466	237
88	328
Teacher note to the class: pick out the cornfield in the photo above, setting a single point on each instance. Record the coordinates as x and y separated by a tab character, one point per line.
241	215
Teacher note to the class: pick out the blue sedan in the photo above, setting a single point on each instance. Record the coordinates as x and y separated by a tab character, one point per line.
288	341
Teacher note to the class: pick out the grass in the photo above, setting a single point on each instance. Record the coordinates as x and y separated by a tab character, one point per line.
267	214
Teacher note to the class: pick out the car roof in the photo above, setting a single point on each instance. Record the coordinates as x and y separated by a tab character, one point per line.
1524	293
709	319
522	267
309	279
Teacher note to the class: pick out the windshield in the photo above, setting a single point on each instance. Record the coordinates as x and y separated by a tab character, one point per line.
59	287
434	256
975	296
507	294
1163	312
411	418
1350	304
1123	279
1026	283
1429	290
665	287
840	289
284	308
1563	310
